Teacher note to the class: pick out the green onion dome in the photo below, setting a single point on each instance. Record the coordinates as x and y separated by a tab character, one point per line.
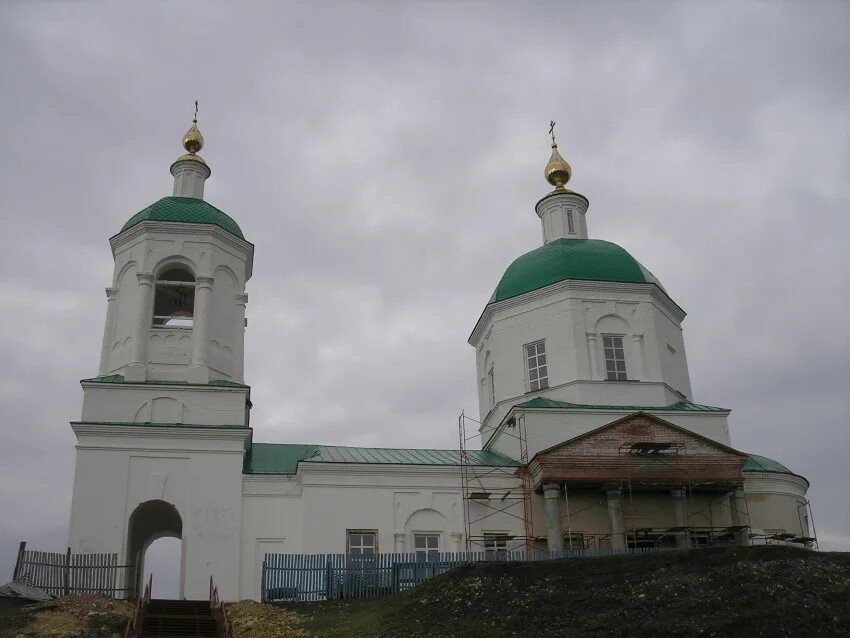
186	210
562	259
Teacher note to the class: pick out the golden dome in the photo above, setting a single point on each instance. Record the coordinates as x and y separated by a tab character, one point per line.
191	157
193	141
557	171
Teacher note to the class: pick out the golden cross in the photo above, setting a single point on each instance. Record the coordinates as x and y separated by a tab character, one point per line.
195	120
552	131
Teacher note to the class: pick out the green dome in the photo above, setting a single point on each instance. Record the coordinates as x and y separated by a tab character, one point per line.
758	463
588	259
187	210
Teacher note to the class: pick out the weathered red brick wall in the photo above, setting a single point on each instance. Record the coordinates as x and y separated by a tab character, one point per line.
603	457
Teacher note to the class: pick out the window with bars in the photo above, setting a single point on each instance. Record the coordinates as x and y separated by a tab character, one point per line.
535	359
495	544
615	358
362	543
426	546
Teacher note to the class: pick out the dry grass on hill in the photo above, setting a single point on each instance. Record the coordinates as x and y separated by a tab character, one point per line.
743	591
68	617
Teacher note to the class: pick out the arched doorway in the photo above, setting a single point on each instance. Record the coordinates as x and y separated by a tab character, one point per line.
151	521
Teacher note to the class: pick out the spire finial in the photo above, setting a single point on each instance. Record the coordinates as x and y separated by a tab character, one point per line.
193	141
557	171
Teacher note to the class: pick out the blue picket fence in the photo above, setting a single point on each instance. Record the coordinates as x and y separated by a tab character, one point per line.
337	576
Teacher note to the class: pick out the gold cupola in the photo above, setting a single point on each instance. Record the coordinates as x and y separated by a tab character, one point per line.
193	141
557	171
190	170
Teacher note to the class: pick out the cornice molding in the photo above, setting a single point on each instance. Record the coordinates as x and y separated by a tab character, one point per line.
180	228
207	433
659	298
201	387
760	482
495	430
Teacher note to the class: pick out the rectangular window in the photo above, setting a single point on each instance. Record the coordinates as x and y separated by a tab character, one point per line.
362	542
426	546
615	358
495	545
535	359
570	224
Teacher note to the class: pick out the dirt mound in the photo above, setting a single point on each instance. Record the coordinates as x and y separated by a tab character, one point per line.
765	591
255	620
68	617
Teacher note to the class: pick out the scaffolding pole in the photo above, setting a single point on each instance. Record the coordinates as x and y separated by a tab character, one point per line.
485	494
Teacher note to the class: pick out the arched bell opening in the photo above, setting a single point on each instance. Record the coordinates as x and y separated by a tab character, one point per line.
149	522
174	297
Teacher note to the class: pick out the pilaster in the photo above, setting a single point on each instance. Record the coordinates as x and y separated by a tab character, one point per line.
593	356
136	370
108	330
199	371
239	355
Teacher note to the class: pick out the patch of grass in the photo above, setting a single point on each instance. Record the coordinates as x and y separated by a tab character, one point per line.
345	618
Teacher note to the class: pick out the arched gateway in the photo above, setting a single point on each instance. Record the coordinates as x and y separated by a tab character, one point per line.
149	522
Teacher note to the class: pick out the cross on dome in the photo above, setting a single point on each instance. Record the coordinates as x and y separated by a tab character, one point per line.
557	171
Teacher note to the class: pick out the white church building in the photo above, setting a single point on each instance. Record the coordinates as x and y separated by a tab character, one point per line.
589	434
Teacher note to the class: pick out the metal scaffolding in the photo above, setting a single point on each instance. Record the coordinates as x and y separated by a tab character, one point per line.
490	491
673	456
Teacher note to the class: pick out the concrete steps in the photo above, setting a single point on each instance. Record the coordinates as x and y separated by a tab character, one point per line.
178	619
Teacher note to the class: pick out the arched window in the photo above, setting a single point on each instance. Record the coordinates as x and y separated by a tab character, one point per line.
174	298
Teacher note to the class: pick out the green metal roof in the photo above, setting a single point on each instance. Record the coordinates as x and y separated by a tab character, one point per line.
118	378
679	406
283	458
588	259
758	463
185	210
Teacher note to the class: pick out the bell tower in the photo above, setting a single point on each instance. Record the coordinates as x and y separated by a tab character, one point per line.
176	307
164	425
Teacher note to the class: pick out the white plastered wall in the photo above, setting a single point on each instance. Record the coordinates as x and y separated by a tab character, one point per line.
311	511
118	467
147	403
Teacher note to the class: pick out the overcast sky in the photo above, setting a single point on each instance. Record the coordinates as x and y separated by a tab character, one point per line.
385	159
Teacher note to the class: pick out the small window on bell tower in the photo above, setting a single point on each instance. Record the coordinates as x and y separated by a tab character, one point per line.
174	298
